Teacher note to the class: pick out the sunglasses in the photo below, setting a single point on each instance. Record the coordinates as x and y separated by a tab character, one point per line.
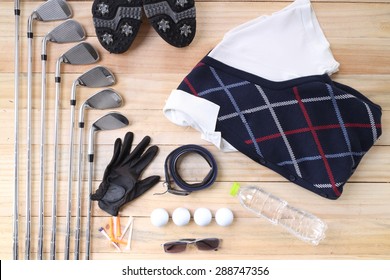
206	244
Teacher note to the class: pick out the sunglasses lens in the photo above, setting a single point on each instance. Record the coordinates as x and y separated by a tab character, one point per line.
175	247
208	244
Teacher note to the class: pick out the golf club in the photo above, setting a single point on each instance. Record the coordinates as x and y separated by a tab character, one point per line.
48	11
67	32
109	121
96	77
104	99
80	54
15	245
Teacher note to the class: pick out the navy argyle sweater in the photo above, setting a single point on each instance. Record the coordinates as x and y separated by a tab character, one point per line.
310	130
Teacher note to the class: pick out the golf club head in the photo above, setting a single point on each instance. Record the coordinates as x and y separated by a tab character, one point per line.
104	99
82	53
67	32
53	10
110	121
98	76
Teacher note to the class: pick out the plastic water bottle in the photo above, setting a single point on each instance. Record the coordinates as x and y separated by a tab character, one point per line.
303	225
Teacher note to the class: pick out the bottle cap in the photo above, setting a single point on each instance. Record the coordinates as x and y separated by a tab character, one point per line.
234	189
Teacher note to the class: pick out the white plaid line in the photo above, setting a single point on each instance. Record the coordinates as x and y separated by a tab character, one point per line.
338	155
325	98
327	186
372	122
244	121
258	109
284	103
281	131
221	88
340	120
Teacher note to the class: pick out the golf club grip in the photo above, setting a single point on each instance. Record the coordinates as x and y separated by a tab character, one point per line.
15	244
53	235
88	229
40	244
42	160
27	245
54	226
70	169
28	173
53	246
54	197
78	213
77	243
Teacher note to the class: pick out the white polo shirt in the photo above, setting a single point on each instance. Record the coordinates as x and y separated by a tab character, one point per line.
285	45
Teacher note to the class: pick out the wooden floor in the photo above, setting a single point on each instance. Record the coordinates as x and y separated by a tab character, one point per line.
358	222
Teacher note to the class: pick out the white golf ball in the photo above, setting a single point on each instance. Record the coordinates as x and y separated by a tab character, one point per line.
159	217
181	216
224	217
202	216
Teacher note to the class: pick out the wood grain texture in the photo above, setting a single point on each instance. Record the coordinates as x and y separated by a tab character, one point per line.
358	222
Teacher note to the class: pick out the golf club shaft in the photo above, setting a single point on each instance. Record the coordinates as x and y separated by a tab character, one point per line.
54	199
42	158
29	115
78	213
16	137
69	206
88	229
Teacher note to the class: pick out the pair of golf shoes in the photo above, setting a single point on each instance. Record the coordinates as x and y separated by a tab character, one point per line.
117	22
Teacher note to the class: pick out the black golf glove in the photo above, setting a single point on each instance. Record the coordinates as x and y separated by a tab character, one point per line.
121	183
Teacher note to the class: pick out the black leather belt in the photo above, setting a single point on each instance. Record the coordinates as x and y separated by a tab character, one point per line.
171	170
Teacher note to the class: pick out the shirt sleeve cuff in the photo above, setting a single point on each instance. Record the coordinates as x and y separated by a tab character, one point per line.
185	109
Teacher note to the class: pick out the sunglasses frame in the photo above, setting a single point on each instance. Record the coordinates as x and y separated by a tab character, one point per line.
188	241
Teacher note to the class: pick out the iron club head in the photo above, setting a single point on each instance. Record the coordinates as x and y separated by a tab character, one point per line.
109	121
49	11
104	99
67	32
80	54
53	10
98	76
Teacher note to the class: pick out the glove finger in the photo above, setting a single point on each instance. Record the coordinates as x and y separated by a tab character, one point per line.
100	192
138	150
114	159
126	147
145	159
144	185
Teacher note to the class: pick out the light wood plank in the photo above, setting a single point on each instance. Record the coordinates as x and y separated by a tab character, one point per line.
359	34
363	200
150	91
153	56
360	47
257	237
142	122
373	168
368	19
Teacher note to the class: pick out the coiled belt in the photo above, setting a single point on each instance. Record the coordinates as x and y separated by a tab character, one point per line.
171	170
